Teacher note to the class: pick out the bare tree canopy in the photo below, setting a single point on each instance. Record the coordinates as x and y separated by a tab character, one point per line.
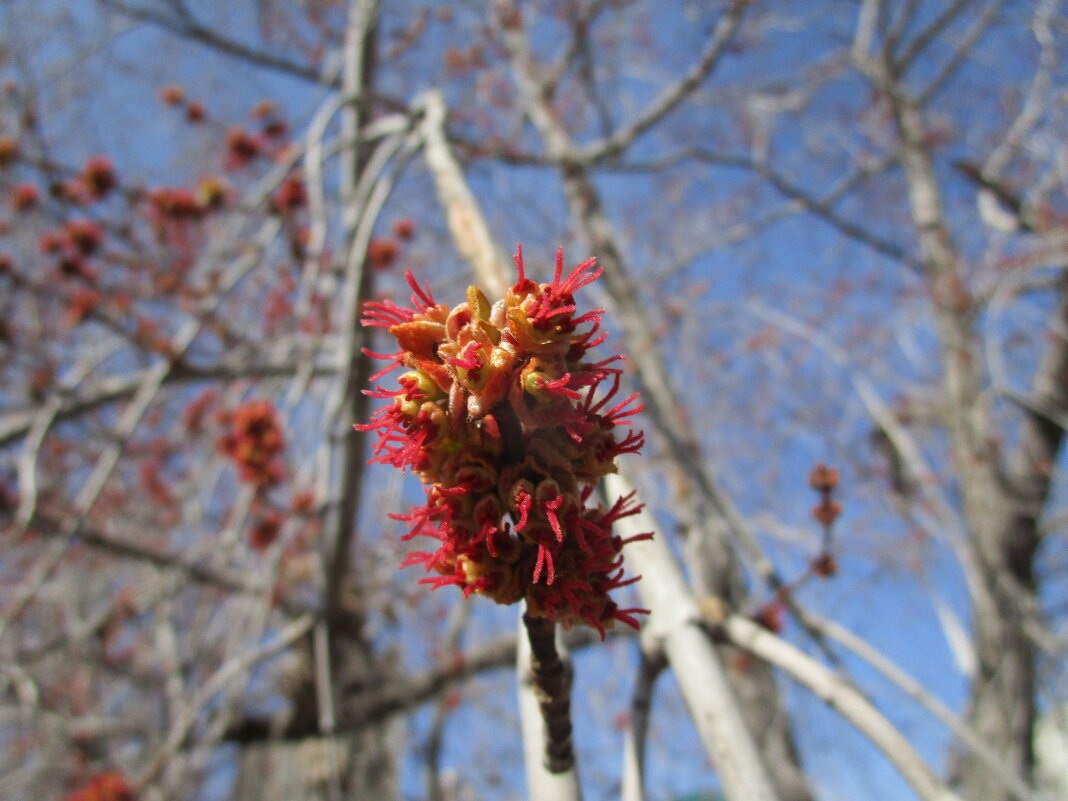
805	539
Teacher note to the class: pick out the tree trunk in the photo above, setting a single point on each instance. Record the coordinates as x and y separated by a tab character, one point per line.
357	766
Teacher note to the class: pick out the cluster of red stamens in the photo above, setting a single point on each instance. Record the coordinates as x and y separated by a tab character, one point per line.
254	442
501	415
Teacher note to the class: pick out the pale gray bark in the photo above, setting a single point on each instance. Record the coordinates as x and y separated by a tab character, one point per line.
363	765
331	766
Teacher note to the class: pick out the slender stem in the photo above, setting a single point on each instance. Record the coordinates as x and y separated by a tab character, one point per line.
653	662
551	678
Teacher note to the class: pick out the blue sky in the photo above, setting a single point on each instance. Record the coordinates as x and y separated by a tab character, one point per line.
764	415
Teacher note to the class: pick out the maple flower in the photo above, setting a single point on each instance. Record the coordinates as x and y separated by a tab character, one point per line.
254	442
108	786
241	148
502	414
24	197
9	151
98	176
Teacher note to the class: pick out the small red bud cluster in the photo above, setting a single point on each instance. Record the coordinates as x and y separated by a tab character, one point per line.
824	480
272	125
277	306
9	151
404	228
825	565
772	616
110	786
197	409
84	235
154	482
98	177
23	197
500	413
73	245
175	203
290	195
381	253
263	110
242	148
172	95
212	192
254	442
82	302
265	530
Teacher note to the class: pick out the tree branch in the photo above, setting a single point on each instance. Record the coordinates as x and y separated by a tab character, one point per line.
673	95
188	27
844	698
544	701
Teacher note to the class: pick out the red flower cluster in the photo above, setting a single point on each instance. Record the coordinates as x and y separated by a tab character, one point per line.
212	192
255	443
73	244
381	253
85	236
24	197
404	228
82	302
104	787
265	531
175	203
291	195
172	95
824	480
98	177
9	151
241	148
501	414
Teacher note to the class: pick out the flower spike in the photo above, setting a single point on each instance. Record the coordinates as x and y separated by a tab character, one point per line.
500	413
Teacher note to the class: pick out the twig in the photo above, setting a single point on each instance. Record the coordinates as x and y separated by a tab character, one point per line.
551	678
653	662
672	96
227	672
544	782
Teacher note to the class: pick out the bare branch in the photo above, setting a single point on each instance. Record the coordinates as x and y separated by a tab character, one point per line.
971	37
550	764
916	691
228	672
844	698
923	39
673	95
188	27
17	423
470	233
653	662
674	623
823	208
